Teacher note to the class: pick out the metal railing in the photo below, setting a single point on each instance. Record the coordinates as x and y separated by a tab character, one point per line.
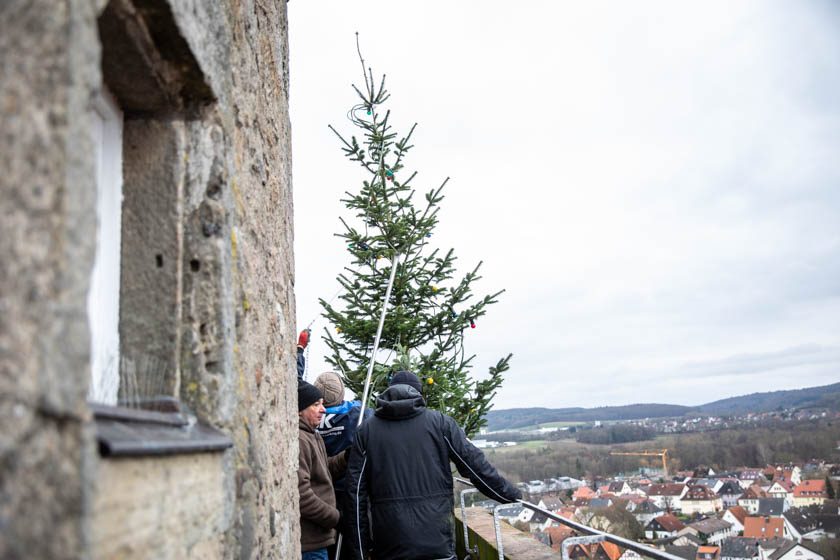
597	535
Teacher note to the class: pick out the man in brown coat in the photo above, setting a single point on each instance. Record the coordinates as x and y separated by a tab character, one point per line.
318	514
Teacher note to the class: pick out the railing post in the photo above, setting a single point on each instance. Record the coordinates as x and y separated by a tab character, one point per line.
572	541
497	525
464	519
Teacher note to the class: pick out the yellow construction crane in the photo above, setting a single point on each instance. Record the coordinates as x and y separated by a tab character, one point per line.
662	453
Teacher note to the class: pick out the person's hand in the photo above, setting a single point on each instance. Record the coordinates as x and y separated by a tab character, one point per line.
303	338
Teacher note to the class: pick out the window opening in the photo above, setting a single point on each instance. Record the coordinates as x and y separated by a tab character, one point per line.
103	301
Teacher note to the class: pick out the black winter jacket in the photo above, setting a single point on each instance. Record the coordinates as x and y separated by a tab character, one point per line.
399	467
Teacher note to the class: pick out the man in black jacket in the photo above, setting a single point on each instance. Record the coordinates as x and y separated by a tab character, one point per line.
399	467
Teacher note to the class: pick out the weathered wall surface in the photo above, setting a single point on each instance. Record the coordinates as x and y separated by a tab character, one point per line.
167	508
152	259
238	247
49	54
223	318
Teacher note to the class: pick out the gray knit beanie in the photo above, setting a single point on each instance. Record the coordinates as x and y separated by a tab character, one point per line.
331	385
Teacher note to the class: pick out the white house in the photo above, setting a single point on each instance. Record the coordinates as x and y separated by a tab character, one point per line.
810	492
782	489
535	486
511	513
802	525
795	551
711	531
663	527
749	500
700	499
735	516
748	477
667	496
619	488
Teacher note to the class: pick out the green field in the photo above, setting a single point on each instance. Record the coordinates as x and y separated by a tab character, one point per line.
535	427
559	424
524	445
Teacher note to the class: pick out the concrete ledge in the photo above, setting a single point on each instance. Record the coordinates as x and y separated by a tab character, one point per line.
517	545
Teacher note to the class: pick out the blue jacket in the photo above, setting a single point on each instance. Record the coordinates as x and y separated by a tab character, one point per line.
338	429
301	363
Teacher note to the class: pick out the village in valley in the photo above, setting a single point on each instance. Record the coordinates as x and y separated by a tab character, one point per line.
770	512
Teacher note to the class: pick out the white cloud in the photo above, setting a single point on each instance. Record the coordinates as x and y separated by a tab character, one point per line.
655	184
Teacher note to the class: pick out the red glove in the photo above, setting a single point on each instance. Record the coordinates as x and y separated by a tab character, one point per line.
303	338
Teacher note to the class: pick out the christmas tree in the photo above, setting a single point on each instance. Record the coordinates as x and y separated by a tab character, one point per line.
430	309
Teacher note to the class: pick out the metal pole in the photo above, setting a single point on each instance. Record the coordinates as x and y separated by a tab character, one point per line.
366	392
371	363
497	525
572	541
464	518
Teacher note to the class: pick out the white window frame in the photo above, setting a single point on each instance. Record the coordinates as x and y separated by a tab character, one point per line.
103	301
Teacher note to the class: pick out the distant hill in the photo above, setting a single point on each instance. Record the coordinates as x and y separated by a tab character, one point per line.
524	417
827	396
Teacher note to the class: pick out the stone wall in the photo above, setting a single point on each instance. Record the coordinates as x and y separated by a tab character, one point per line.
517	545
49	53
207	272
160	507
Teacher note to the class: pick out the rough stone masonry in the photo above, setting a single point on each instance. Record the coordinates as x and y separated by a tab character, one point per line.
206	277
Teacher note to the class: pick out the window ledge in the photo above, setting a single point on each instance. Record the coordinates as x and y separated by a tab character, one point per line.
131	432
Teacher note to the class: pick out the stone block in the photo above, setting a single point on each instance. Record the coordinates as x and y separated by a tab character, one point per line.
168	507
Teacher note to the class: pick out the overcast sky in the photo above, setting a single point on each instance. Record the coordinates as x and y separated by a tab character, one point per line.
655	184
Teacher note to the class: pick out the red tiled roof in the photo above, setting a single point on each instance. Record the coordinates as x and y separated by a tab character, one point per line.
786	474
665	489
613	552
739	513
764	527
557	535
754	492
669	522
786	484
699	493
567	512
583	492
710	552
810	489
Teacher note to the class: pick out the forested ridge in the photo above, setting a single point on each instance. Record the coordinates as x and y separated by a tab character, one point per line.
827	397
775	442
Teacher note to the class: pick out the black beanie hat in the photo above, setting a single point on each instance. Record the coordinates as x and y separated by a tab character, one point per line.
307	394
406	378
